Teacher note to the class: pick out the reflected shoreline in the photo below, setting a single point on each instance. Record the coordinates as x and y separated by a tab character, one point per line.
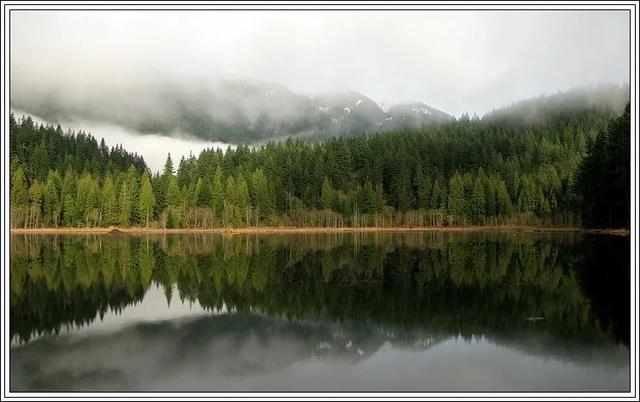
287	229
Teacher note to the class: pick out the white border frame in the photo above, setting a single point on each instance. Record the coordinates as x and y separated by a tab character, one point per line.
632	6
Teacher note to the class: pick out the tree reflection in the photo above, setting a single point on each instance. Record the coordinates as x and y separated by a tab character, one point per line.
447	283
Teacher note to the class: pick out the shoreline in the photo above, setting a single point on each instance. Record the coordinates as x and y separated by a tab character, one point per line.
292	229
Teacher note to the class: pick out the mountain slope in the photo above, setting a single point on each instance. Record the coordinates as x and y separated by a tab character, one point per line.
229	110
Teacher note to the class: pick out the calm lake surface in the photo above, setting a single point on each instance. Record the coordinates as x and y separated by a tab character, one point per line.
483	311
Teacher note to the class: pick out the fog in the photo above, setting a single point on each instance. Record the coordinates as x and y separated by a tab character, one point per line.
158	71
154	148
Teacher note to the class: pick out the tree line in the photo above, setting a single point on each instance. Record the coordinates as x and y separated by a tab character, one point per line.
486	171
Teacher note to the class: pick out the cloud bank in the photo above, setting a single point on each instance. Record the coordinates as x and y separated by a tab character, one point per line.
458	61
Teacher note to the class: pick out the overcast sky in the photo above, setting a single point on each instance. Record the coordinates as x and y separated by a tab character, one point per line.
463	61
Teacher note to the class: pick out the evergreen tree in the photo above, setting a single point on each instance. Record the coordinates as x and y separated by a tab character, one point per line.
68	210
133	188
19	190
217	193
262	198
478	201
173	196
603	179
147	200
52	205
124	205
327	194
456	202
438	199
108	202
503	201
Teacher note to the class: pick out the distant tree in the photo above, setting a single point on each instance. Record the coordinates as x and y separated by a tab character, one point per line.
108	202
478	201
456	202
124	205
503	201
147	199
217	193
263	201
19	190
327	194
173	196
133	187
52	205
603	178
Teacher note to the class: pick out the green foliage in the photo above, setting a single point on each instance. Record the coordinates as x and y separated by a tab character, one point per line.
603	180
328	194
478	201
108	202
147	200
456	201
19	194
495	170
124	205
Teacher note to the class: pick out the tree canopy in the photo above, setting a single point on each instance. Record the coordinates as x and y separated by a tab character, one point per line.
489	171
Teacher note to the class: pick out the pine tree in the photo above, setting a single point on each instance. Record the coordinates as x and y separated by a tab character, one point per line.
478	201
423	191
527	195
327	194
82	199
262	199
124	206
133	188
168	167
367	199
173	196
217	193
147	199
503	201
68	210
108	202
456	202
204	197
52	206
19	198
36	196
438	199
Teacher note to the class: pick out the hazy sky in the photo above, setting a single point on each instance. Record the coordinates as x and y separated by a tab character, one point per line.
463	61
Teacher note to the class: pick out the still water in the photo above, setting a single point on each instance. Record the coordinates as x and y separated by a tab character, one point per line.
481	311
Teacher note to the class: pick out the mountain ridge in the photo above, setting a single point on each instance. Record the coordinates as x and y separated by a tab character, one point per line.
234	110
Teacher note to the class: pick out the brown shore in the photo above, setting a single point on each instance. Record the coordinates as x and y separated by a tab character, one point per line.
289	229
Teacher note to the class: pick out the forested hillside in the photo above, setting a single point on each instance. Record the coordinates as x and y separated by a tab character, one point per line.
603	181
510	167
237	111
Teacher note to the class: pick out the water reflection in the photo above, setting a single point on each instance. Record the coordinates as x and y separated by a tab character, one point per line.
211	312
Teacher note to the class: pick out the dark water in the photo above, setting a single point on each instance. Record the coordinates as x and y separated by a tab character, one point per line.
320	312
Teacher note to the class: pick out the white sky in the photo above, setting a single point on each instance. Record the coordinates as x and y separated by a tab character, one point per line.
457	61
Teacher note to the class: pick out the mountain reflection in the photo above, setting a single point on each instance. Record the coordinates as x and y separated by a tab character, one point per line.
445	284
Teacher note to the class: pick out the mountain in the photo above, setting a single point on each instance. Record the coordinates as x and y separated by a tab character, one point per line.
231	110
413	115
541	109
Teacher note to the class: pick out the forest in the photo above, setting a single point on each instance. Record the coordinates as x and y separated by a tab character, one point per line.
561	163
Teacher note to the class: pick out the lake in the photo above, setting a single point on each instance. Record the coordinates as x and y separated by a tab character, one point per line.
430	311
